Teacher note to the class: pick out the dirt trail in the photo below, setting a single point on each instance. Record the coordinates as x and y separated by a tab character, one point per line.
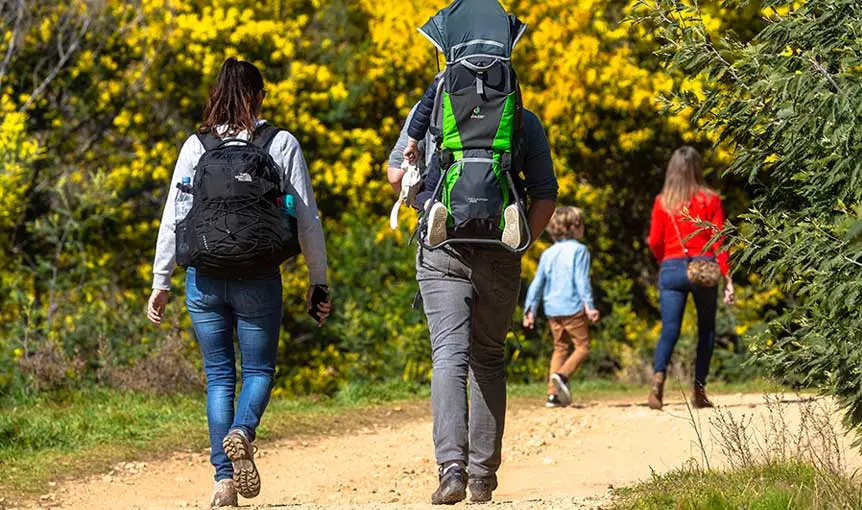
553	459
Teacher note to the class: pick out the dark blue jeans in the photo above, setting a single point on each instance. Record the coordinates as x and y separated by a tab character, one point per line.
674	288
252	308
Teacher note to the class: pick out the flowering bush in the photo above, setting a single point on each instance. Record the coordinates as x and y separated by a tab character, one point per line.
97	97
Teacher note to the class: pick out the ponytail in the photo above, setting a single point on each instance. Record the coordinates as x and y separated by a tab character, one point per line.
235	99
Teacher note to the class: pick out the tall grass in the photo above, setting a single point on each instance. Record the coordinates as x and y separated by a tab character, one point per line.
773	463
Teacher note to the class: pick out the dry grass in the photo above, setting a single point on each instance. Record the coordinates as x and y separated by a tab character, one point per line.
776	461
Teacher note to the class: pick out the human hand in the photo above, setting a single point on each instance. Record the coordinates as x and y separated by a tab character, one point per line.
323	309
411	152
529	320
395	175
593	315
156	305
729	291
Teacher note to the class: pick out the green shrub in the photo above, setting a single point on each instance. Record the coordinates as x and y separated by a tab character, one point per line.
788	101
767	487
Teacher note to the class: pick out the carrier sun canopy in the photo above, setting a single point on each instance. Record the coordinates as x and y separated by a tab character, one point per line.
474	28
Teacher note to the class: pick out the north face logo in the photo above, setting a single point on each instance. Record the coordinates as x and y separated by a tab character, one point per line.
243	177
477	113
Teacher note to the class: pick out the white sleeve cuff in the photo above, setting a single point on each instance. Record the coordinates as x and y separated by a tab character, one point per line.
162	281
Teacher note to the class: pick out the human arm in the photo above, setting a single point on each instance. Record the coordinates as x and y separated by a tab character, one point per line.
165	258
164	261
310	227
581	269
534	295
657	230
540	182
297	181
394	172
722	256
418	126
538	216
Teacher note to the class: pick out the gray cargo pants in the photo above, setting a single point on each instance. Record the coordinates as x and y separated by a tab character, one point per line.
469	297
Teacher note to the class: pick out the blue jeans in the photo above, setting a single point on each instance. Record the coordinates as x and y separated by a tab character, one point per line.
674	288
252	308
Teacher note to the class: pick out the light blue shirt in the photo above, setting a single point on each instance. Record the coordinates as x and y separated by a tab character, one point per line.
562	280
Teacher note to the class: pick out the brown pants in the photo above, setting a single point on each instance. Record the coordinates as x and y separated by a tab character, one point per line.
568	330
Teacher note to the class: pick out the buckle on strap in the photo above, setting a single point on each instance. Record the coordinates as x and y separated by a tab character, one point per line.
506	162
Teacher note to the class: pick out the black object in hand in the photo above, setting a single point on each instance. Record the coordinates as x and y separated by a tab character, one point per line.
319	295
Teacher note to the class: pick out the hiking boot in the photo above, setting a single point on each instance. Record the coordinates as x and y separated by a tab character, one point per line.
224	494
561	384
512	227
453	485
482	488
553	401
656	394
699	399
239	451
437	219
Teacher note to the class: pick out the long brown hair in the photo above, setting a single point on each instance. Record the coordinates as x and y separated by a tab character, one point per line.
683	179
236	98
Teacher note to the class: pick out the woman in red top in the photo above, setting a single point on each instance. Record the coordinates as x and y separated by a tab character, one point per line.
684	202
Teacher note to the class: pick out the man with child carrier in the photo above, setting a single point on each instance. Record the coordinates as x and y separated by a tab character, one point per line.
489	190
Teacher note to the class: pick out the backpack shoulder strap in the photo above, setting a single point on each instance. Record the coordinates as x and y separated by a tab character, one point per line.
264	135
436	126
208	140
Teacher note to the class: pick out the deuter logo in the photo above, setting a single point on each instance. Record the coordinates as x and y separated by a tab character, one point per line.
477	113
476	200
243	177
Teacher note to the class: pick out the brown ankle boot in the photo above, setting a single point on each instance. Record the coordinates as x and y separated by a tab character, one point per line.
699	399
656	394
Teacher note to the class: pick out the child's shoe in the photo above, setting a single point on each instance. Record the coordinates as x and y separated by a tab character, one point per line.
512	227
553	401
561	384
437	219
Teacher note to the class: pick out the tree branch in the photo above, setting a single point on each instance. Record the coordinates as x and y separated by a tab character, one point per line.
819	68
777	14
73	46
19	18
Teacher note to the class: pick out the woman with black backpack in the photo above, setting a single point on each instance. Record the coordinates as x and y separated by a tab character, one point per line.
251	198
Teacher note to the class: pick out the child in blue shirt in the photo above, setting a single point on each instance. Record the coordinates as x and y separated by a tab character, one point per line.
563	282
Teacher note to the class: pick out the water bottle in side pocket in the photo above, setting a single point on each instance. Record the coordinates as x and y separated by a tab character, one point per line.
287	206
183	200
182	206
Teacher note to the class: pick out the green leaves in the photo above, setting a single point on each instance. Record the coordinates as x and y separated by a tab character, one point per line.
789	100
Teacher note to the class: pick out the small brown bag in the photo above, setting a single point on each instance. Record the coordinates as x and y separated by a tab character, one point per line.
701	273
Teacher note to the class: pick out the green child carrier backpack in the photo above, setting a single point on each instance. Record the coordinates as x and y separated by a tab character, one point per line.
477	120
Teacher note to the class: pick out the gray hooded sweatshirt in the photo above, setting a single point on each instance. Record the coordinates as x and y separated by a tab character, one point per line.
287	153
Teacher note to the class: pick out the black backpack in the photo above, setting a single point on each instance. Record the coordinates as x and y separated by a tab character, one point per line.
235	227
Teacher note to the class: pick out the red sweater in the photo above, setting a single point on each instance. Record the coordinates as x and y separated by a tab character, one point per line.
665	244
